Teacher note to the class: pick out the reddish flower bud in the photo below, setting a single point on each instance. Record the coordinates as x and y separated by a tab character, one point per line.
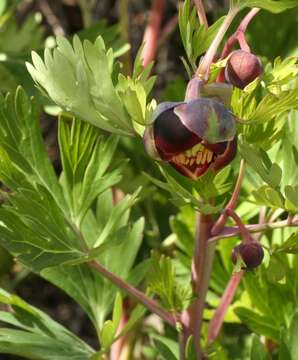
251	253
242	68
192	136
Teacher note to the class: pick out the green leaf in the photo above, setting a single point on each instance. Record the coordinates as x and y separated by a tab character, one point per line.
265	195
291	198
94	293
258	351
168	348
85	159
272	106
34	335
290	246
196	39
20	138
260	324
107	334
162	281
270	173
293	341
29	35
117	214
78	78
274	6
117	310
35	231
182	190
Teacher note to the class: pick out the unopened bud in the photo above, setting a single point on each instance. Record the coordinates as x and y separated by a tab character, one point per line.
242	68
251	253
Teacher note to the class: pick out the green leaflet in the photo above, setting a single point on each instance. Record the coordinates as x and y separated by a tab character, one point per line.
34	335
270	5
79	77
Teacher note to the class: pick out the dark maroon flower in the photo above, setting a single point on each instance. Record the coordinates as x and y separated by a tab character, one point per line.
192	136
242	68
251	253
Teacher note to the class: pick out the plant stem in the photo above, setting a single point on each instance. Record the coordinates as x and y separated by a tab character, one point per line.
220	223
124	24
201	12
226	299
240	30
237	36
232	231
192	318
152	31
204	68
51	18
135	293
86	9
243	230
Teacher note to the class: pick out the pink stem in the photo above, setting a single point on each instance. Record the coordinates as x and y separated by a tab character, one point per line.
201	12
117	346
237	36
244	232
220	223
192	318
232	231
227	297
135	293
152	31
204	67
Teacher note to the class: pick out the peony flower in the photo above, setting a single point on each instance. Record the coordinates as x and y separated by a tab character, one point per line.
192	136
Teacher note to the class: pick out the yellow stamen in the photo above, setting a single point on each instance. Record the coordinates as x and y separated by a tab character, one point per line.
199	158
209	156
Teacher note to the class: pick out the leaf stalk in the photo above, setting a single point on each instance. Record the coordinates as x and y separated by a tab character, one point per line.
150	304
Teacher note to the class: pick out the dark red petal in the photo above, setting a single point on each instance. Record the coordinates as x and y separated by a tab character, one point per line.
171	136
229	154
149	143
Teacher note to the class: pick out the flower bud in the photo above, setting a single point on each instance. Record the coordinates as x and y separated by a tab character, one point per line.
193	136
251	253
242	68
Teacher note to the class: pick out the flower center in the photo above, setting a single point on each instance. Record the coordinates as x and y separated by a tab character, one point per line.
193	162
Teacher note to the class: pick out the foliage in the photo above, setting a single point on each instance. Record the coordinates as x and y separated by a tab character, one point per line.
34	335
80	79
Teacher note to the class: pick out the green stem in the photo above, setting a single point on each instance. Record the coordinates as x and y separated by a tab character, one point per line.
86	9
204	68
124	24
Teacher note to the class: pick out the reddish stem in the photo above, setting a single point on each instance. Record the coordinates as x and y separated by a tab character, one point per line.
192	318
152	31
118	345
150	304
238	36
220	223
226	300
168	28
244	232
201	12
232	231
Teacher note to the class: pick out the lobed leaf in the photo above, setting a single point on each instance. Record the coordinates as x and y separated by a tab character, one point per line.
34	335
